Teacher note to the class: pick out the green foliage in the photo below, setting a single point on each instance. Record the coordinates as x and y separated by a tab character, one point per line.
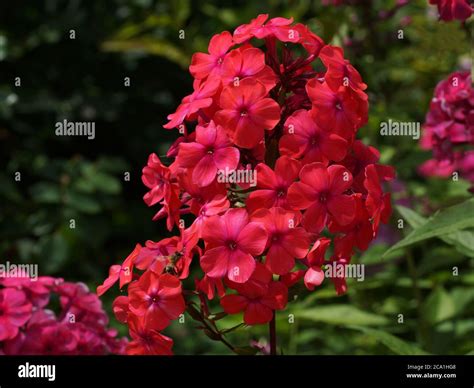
447	223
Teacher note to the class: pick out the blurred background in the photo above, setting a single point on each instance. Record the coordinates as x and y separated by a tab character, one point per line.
72	178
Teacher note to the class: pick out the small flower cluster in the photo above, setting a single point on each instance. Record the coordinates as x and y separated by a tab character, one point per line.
256	106
449	129
453	9
29	327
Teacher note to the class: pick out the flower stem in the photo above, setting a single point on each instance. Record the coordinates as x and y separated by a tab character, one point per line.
273	337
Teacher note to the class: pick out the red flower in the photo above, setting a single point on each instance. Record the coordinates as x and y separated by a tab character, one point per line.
340	72
273	185
211	152
309	40
156	177
304	139
377	202
199	99
359	233
276	27
286	240
314	276
453	9
257	298
211	208
15	311
204	65
231	242
321	192
246	113
247	62
146	341
157	298
311	170
360	157
210	287
123	272
343	110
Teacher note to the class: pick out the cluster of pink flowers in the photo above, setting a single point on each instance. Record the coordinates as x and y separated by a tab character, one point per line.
453	9
257	108
29	327
449	129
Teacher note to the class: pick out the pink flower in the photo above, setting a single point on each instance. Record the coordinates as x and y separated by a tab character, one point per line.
246	112
273	185
231	242
157	298
453	9
123	272
211	152
257	298
314	275
201	98
340	72
322	192
276	27
156	177
286	240
210	65
304	139
15	311
247	62
343	110
377	202
146	341
50	339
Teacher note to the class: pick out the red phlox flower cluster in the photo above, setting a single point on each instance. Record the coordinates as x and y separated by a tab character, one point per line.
267	162
29	327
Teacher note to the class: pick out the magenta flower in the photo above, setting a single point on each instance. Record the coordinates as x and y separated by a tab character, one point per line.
15	311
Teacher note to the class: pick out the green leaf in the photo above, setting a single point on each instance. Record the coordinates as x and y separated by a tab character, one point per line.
158	47
44	192
395	344
439	306
462	240
445	222
340	315
82	203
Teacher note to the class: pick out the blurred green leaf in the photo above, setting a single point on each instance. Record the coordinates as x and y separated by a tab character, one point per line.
340	315
445	222
462	240
439	306
395	344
